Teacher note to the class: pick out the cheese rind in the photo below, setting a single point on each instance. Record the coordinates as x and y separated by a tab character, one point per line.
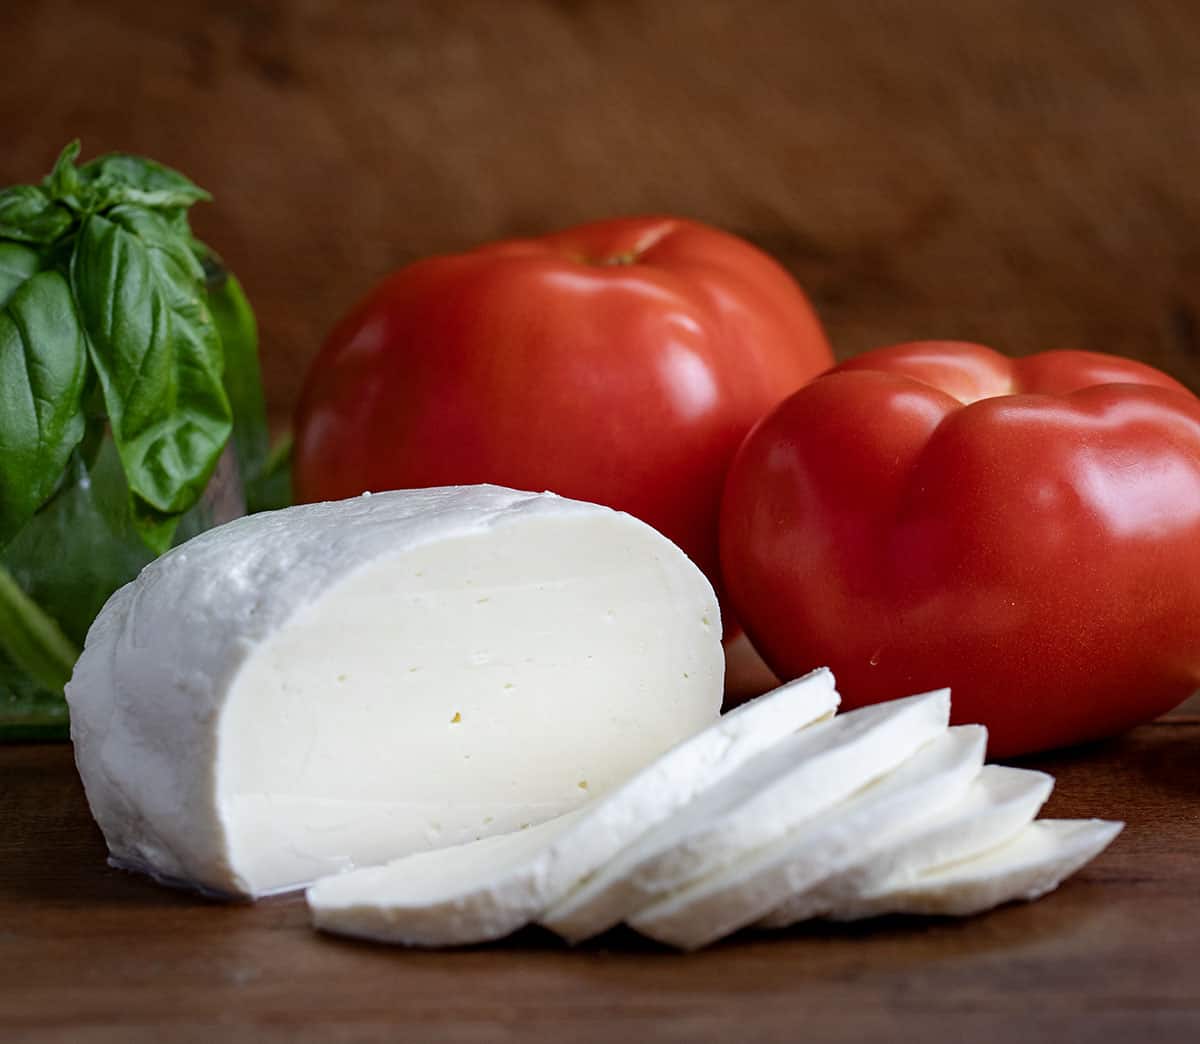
880	814
800	777
304	691
999	804
1036	861
489	888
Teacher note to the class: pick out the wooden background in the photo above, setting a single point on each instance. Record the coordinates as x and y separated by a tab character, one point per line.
1021	172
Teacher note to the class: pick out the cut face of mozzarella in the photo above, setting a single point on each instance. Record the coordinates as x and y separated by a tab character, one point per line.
891	808
999	803
1035	862
798	778
489	888
305	691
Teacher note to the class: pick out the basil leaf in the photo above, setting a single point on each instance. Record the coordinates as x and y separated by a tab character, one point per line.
29	711
73	554
271	488
119	178
158	356
82	545
243	376
43	367
78	549
62	183
29	215
116	385
32	639
17	264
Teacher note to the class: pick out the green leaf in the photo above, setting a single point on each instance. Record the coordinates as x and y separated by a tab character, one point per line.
148	415
29	711
120	178
158	356
62	183
43	368
82	545
243	381
29	215
32	639
78	549
17	264
69	559
271	488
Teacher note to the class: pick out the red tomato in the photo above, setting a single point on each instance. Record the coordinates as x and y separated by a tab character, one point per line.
620	362
1026	532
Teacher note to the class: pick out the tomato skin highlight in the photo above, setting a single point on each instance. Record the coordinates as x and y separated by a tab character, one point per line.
620	362
1024	531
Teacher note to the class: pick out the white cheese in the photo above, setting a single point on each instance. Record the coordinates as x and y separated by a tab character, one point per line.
442	898
334	685
796	779
489	888
996	807
1033	863
714	906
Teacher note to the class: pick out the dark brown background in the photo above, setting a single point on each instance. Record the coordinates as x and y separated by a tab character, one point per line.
1022	173
1026	173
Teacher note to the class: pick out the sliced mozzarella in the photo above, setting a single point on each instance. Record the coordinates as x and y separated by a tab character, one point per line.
891	808
489	888
1033	863
333	685
798	778
999	803
436	898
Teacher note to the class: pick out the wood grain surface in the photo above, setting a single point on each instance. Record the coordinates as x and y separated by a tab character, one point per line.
88	953
1018	172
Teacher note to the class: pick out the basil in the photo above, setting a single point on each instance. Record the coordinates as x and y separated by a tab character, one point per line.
128	358
29	214
17	264
42	369
34	640
158	356
132	179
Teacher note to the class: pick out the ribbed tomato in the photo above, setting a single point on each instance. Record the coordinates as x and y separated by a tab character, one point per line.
1024	531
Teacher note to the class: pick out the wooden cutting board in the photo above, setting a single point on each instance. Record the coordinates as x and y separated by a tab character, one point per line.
91	953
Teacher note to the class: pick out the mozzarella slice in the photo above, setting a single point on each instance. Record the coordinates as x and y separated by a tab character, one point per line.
1033	863
712	907
995	808
305	691
798	778
489	888
437	898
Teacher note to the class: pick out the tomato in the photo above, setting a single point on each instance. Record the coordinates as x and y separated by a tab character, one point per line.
1026	532
620	362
